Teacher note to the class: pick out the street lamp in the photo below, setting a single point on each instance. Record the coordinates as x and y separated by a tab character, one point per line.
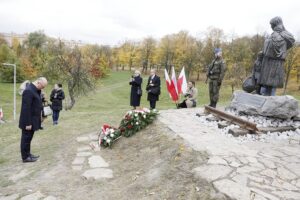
15	80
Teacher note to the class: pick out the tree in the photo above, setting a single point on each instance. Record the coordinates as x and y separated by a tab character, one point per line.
7	73
67	64
292	60
36	39
147	51
166	51
186	51
2	40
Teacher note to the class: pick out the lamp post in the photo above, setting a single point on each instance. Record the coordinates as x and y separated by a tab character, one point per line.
15	88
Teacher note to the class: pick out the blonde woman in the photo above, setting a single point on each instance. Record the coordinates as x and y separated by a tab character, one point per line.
136	89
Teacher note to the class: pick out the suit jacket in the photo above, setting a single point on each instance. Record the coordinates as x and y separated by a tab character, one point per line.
31	108
153	91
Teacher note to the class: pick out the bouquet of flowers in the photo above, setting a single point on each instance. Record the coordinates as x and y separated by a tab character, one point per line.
136	120
108	135
132	122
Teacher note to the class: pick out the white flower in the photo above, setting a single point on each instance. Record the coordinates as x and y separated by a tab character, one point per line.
130	112
108	140
112	135
137	123
105	138
135	115
146	110
144	116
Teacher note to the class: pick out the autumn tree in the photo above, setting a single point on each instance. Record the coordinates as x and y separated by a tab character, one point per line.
68	66
292	61
165	55
147	50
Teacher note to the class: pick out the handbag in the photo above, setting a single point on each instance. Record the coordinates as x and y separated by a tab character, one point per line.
249	85
47	111
155	91
139	91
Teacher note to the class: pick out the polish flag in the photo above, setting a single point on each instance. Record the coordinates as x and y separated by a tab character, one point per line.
1	113
182	84
171	86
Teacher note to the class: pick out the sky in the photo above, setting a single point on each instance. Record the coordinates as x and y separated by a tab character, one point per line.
110	22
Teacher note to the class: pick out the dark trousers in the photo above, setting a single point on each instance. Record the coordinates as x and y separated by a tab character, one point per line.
182	105
55	116
152	104
25	143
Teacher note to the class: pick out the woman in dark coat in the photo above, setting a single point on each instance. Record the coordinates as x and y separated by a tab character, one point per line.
275	51
136	89
56	97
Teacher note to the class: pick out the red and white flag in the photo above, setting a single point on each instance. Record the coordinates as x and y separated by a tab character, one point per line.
182	84
1	113
172	89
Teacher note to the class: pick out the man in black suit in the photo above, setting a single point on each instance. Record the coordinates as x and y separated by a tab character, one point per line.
153	88
30	116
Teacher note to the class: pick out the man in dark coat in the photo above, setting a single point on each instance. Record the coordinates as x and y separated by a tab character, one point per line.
153	88
56	97
30	116
275	51
136	89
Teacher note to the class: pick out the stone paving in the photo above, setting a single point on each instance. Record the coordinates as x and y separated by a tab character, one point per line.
86	160
33	196
243	171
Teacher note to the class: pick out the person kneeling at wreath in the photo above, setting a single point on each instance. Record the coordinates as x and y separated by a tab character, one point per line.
190	96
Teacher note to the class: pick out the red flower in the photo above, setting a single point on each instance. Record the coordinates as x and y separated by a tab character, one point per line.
129	126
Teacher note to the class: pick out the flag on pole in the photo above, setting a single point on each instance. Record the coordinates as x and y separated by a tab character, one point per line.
174	80
1	113
171	87
182	84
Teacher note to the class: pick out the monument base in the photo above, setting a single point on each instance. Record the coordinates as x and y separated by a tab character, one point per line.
283	107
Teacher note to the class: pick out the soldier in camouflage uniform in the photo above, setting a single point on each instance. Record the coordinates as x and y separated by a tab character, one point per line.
215	74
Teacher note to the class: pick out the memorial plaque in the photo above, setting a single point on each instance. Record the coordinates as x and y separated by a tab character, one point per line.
250	99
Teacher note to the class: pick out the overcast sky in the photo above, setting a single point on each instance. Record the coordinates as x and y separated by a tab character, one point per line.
113	21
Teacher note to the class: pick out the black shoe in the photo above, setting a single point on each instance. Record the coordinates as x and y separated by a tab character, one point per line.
41	128
29	159
34	156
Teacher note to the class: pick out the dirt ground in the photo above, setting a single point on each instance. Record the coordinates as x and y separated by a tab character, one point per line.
153	164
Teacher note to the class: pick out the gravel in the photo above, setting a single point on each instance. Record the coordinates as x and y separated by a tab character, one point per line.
261	121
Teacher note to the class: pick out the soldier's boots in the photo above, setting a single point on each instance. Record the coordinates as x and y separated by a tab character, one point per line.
213	104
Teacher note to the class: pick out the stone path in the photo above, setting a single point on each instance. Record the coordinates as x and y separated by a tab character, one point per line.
34	196
86	160
242	171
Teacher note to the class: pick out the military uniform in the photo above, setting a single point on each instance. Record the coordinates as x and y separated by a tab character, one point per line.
215	74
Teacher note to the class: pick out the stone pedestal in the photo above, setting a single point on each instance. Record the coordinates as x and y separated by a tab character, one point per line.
283	107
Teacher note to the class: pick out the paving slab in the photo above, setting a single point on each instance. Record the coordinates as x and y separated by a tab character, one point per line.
84	154
233	189
10	197
35	196
257	170
82	139
50	198
98	173
213	172
78	161
97	161
84	148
